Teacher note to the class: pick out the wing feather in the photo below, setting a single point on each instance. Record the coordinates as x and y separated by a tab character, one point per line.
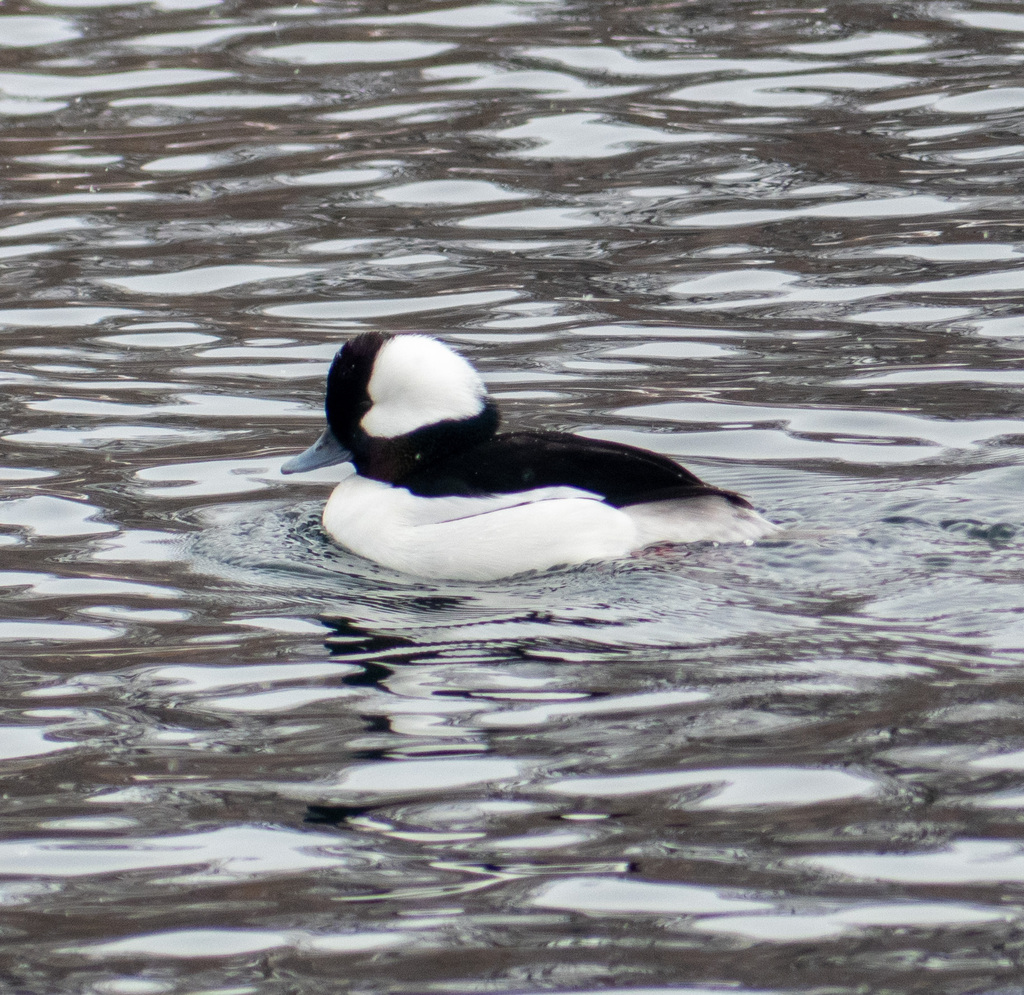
527	461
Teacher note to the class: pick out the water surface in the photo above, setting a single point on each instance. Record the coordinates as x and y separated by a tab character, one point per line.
781	244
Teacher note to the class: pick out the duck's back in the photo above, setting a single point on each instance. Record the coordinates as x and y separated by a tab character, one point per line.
523	461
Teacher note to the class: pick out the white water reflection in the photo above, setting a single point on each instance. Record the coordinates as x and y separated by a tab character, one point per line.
996	20
211	477
982	252
216	101
339	177
852	427
187	944
199	406
483	15
172	680
159	340
619	895
44	515
961	862
449	192
16	631
201	38
239	852
333	310
765	786
680	350
48	585
613	61
795	928
205	279
907	206
322	53
39	86
875	41
141	546
387	111
408	778
983	101
25	741
23	473
274	702
747	445
185	163
560	711
719	291
911	315
61	317
587	136
168	5
474	76
94	198
71	159
133	436
777	92
29	108
533	219
28	30
44	227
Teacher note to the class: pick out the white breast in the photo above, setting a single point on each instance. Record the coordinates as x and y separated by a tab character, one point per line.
475	538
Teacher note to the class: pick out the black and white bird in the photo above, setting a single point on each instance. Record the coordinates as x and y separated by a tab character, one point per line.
439	492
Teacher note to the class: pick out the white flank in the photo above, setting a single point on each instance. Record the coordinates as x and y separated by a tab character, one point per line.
475	538
485	538
419	381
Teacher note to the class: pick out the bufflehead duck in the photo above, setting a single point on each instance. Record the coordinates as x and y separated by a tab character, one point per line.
439	493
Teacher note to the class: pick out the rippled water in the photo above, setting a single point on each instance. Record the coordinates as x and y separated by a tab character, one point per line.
782	243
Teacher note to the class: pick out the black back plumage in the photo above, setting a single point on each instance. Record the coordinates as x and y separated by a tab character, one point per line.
522	461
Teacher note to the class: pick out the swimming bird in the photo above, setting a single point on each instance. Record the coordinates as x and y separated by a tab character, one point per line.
438	492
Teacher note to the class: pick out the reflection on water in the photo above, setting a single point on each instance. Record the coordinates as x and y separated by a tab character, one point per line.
781	244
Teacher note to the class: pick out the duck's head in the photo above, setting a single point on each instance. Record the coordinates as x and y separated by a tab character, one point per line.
394	403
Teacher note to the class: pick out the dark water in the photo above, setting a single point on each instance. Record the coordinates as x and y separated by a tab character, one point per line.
784	243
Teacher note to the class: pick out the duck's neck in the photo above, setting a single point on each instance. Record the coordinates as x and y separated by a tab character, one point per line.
391	460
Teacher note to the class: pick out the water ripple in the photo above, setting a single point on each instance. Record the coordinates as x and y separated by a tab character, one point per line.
780	245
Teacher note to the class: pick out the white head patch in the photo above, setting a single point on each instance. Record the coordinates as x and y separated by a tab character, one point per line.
418	381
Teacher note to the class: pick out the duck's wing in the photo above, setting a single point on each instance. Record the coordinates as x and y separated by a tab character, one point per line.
450	508
524	461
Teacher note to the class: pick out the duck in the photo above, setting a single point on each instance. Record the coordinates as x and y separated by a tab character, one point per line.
438	492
